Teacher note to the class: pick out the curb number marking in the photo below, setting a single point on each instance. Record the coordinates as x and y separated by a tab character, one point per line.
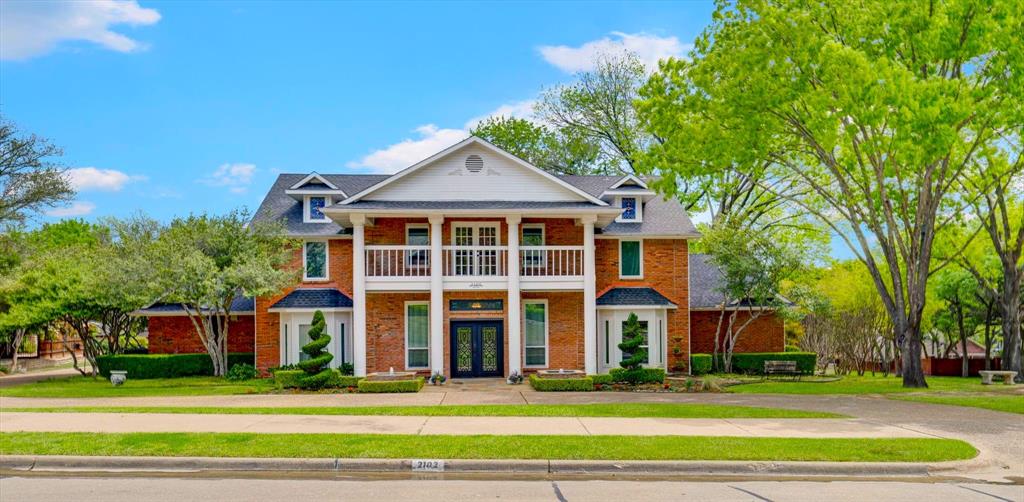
428	465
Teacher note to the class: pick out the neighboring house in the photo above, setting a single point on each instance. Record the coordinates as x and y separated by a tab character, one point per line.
475	263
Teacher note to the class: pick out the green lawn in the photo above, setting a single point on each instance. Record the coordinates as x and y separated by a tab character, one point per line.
88	387
1009	404
486	447
867	384
657	410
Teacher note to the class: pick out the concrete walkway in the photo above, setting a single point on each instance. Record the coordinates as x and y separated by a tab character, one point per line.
458	426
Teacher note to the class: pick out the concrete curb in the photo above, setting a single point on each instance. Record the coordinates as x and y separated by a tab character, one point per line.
30	463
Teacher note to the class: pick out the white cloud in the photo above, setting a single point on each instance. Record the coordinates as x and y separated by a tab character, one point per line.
29	29
236	177
410	151
649	48
519	109
91	178
78	208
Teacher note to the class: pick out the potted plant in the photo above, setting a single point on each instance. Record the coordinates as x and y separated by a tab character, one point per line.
438	378
515	378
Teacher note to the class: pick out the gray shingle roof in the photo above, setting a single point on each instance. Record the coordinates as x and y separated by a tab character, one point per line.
706	284
241	305
633	296
314	298
279	206
661	217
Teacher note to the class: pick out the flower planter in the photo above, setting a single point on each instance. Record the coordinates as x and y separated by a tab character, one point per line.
118	377
560	373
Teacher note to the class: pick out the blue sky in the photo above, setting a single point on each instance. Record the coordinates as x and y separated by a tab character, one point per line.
178	107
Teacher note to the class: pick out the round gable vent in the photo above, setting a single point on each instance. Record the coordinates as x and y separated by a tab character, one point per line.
474	163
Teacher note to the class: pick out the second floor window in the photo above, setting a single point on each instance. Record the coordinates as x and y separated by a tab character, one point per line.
315	205
630	260
315	261
417	235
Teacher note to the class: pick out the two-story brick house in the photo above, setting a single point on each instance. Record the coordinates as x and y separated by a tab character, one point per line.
475	263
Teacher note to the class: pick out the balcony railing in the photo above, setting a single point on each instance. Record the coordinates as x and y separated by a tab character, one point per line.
535	262
550	261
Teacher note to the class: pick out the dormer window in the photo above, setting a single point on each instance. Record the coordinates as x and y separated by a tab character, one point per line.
632	209
313	206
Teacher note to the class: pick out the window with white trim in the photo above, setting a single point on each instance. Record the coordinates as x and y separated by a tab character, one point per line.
535	328
417	234
314	261
631	259
417	335
533	235
313	206
632	209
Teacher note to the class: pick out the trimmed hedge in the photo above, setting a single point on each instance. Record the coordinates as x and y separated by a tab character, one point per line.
288	379
584	384
604	379
638	376
144	366
753	362
344	381
700	364
386	386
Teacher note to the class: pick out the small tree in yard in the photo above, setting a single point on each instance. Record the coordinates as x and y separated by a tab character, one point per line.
633	334
317	372
204	262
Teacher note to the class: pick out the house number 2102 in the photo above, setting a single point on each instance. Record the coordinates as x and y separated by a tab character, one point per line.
428	465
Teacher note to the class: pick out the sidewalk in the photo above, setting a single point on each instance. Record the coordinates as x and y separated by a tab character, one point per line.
342	424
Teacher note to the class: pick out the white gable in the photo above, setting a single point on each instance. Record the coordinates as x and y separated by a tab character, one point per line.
459	175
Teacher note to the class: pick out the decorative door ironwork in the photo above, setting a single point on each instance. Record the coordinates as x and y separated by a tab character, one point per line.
478	349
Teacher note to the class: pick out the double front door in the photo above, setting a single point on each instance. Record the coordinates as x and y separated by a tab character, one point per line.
477	349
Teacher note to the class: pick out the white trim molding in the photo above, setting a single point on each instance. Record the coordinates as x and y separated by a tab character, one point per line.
311	177
638	209
628	177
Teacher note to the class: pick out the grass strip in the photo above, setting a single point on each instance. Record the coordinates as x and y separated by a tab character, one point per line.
486	447
630	410
79	386
867	384
1008	404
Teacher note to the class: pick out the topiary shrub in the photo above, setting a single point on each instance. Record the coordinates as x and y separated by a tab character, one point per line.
633	355
241	372
638	375
585	384
288	379
700	364
388	386
318	375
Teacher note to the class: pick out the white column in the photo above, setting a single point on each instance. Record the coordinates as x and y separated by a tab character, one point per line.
359	294
589	297
515	324
436	295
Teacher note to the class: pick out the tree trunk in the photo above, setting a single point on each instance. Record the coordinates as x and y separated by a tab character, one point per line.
912	371
18	338
1010	307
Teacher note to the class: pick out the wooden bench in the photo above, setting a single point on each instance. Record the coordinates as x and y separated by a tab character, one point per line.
781	368
1007	376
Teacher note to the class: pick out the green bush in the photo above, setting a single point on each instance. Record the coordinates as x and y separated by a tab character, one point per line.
241	372
144	366
700	364
638	375
288	379
753	363
562	384
792	348
345	381
413	385
347	369
605	379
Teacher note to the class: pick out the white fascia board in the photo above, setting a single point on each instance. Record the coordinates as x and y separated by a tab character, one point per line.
628	177
300	191
472	140
309	178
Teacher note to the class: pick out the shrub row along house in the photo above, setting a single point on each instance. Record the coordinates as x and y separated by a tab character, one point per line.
474	263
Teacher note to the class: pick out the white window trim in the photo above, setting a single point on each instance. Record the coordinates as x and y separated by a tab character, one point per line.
307	213
641	276
408	254
405	314
547	333
639	209
541	264
327	261
476	226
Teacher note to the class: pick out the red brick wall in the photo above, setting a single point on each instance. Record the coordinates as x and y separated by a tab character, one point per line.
565	328
764	334
177	335
666	269
385	329
268	326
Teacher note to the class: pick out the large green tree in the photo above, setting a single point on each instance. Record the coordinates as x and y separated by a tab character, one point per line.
870	110
204	261
29	180
560	151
